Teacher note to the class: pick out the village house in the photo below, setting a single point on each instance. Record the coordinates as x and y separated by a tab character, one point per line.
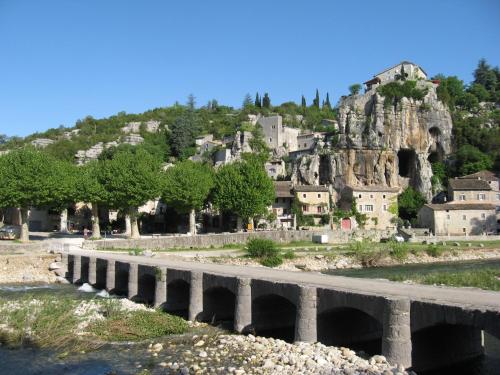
458	218
313	200
378	203
275	168
467	190
411	70
282	206
276	135
487	176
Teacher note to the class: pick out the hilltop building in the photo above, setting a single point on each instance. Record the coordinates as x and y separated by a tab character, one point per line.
411	70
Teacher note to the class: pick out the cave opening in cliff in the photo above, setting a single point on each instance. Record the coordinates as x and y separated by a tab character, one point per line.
406	162
324	168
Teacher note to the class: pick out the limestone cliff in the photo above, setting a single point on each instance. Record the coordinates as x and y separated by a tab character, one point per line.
382	145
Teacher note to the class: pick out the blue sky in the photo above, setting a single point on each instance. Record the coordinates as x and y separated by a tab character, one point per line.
61	60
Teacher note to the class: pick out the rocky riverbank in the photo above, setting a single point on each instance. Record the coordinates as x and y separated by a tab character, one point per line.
27	267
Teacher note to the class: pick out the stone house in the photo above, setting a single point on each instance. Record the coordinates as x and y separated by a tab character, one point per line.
467	190
458	219
276	135
203	138
275	168
314	200
282	206
487	176
378	203
412	70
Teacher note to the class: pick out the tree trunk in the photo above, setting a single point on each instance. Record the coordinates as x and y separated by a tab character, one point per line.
192	222
239	224
25	236
128	229
63	224
134	227
96	228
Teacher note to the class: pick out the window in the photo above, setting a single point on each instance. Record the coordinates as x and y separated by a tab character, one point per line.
383	196
304	195
305	208
277	200
498	197
483	216
359	195
369	207
360	208
270	139
305	144
319	195
385	207
464	217
448	217
371	196
320	209
462	197
481	197
464	230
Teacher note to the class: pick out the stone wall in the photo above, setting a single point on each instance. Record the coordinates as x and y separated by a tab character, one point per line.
219	240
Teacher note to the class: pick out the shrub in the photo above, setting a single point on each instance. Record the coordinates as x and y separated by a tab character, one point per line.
289	255
261	247
358	246
273	260
398	250
434	250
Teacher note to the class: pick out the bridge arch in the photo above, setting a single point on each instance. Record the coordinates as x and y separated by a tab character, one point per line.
274	316
350	327
121	278
178	285
146	284
219	299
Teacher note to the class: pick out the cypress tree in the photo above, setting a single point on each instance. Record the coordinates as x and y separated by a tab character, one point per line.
303	103
258	103
266	101
327	102
316	99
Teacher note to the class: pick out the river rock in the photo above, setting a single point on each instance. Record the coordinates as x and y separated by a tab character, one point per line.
61	280
87	288
55	266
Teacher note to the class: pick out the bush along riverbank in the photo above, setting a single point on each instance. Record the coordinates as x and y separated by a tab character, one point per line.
165	344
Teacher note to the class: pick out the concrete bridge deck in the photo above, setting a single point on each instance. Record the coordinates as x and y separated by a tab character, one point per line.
418	326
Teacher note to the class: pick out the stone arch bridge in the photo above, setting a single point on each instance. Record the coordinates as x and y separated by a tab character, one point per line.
420	327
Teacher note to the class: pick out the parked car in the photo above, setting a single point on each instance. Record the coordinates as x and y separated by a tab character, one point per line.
10	232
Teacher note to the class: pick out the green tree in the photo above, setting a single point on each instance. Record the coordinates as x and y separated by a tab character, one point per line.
186	188
485	75
243	188
131	179
266	101
31	178
258	101
316	99
326	104
247	101
92	190
409	203
183	133
479	92
303	103
469	102
355	89
402	74
470	160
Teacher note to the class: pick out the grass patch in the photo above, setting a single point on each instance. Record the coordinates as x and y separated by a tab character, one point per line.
434	250
398	250
289	254
69	324
488	278
137	325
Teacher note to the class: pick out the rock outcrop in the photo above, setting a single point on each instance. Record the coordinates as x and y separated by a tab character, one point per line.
382	145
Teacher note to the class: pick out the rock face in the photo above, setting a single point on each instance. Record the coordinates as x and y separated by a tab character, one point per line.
382	145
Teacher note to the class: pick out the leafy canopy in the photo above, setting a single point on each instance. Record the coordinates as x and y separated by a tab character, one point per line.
244	188
29	177
187	185
131	178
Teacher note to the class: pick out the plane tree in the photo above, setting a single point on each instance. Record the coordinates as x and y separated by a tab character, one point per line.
31	178
186	188
131	178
